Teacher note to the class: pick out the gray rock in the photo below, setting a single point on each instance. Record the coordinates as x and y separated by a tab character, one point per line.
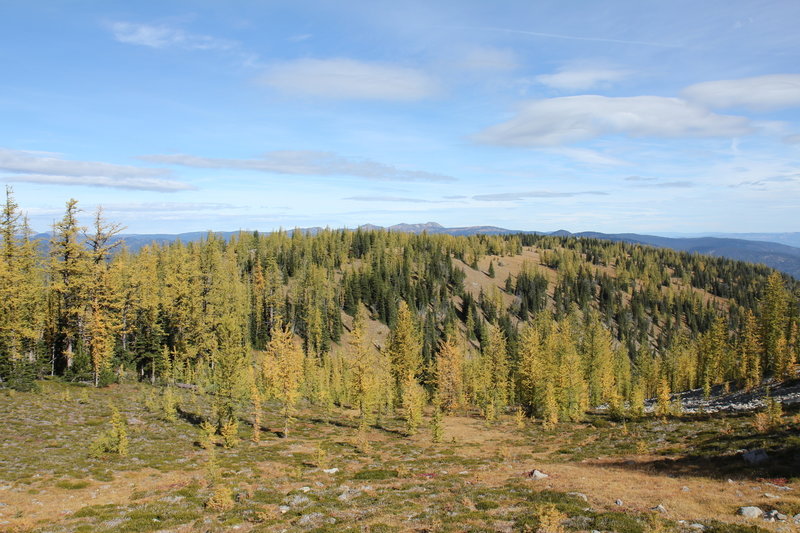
284	509
698	527
685	489
536	474
659	508
796	518
775	515
750	511
580	495
755	457
618	502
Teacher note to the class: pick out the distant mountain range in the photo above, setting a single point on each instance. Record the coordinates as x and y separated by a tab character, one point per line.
755	249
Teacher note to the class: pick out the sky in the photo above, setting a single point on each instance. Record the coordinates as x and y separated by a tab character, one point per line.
618	116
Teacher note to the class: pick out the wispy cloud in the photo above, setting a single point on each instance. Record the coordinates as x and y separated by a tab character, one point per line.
39	167
515	196
639	178
761	93
761	184
170	207
349	79
163	36
305	162
581	78
588	157
577	37
142	184
387	199
792	139
570	119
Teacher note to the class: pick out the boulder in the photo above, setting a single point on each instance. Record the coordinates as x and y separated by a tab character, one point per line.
536	474
755	457
750	511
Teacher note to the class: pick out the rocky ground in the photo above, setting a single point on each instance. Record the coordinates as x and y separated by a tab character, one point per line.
686	473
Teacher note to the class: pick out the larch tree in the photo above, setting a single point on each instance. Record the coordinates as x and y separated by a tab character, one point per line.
749	352
70	269
496	359
364	368
102	324
404	350
449	375
283	370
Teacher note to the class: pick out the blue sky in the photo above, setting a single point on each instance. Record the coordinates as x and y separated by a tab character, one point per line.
608	116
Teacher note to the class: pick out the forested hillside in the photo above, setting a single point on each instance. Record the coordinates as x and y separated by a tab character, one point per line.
550	325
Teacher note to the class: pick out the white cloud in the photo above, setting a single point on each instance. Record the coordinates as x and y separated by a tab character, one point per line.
514	196
565	120
349	79
484	58
305	162
792	139
762	93
161	36
581	78
42	167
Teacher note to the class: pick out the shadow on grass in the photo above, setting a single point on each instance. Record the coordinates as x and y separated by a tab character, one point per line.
783	460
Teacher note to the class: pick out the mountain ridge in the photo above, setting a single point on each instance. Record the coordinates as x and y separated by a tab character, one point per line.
782	257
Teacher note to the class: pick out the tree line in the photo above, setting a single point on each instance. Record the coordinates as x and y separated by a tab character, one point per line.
290	315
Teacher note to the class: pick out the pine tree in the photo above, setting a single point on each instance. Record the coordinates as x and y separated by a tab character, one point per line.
774	311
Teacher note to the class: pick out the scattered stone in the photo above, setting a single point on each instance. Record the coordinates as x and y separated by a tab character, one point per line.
580	495
685	489
305	489
698	527
755	457
774	515
311	519
796	518
770	495
750	511
618	502
659	508
284	509
330	470
536	474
